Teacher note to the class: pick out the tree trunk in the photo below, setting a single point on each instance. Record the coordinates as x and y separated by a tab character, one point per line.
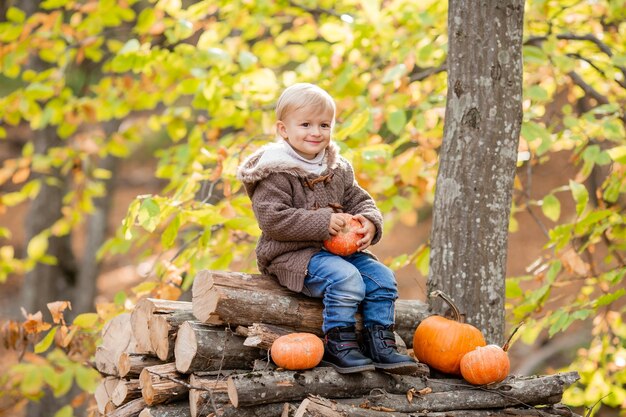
130	365
142	314
283	386
200	347
167	410
163	330
218	296
45	283
478	159
162	384
131	409
207	395
533	391
125	391
323	407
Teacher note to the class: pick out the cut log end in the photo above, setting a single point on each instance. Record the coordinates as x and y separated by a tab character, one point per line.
232	393
186	347
159	332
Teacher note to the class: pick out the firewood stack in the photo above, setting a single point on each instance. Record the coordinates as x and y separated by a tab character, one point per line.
209	357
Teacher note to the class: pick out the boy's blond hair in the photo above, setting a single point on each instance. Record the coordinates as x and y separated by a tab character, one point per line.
303	95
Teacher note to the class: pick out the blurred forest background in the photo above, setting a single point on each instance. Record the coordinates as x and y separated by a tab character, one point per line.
122	123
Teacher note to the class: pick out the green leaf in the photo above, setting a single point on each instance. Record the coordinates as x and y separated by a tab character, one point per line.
581	196
357	124
131	46
15	15
551	207
66	411
397	121
618	154
87	378
422	261
32	381
148	215
45	343
607	299
37	246
168	238
86	320
64	383
394	73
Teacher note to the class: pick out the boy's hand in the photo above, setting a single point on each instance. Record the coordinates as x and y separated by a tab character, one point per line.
336	224
368	230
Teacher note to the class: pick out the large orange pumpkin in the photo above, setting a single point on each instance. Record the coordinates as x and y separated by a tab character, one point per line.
344	243
485	365
297	351
440	342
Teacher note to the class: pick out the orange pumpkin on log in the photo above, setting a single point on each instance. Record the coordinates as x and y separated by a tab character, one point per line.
489	364
297	351
441	343
485	365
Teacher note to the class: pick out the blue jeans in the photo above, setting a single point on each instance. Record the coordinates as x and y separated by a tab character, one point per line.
344	282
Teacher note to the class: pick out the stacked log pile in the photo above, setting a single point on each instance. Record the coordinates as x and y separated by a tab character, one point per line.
209	357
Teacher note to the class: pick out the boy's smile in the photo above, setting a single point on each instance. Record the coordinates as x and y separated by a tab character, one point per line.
307	130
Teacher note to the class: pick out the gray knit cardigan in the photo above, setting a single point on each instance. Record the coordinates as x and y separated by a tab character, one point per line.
293	209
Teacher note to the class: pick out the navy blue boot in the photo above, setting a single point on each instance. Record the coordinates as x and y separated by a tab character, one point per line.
380	345
343	353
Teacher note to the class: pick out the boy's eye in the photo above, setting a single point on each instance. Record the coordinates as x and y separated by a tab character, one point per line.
325	125
306	124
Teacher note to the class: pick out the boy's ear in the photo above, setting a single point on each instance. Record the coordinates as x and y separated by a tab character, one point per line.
281	129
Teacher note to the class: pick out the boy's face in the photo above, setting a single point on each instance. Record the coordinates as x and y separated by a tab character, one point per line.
307	130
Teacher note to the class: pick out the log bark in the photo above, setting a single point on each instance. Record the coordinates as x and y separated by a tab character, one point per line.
130	365
103	394
131	409
207	395
167	410
261	335
200	347
141	315
125	391
514	392
265	410
162	384
223	293
323	407
285	386
163	330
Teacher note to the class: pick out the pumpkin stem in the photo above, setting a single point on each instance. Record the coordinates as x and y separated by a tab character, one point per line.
506	346
456	313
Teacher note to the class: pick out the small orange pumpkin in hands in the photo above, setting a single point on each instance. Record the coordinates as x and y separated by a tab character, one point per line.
345	242
488	364
297	351
440	342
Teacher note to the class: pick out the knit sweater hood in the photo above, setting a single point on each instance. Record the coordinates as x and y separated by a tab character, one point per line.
293	207
275	158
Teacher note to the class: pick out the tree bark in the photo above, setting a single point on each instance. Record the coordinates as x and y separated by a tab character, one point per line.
323	407
167	410
221	294
130	409
200	347
207	396
284	386
142	313
130	365
477	160
545	390
162	384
